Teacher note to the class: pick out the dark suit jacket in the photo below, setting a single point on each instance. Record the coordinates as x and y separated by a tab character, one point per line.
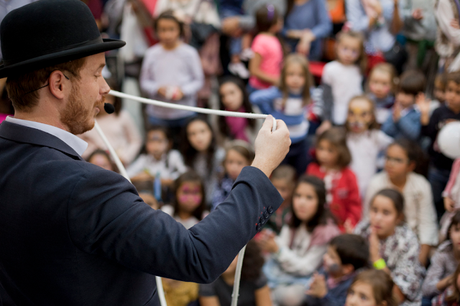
72	233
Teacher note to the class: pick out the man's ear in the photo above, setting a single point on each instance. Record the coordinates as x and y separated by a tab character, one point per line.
57	82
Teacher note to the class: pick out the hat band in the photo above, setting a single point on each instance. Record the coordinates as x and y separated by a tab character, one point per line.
48	52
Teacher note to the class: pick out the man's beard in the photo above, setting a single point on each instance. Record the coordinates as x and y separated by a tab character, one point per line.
75	116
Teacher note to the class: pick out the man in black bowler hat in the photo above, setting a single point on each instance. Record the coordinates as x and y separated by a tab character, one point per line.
72	233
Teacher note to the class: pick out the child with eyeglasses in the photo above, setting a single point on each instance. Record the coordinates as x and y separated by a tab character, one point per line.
402	172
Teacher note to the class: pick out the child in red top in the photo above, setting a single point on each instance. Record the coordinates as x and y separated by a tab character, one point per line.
333	157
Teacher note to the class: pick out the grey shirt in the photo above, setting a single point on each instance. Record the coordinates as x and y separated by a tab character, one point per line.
180	67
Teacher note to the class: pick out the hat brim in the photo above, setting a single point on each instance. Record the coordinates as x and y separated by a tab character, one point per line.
59	57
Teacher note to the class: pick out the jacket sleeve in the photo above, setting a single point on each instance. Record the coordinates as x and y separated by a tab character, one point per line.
196	71
389	127
301	265
354	208
426	215
324	26
264	99
356	15
435	273
148	81
410	125
107	217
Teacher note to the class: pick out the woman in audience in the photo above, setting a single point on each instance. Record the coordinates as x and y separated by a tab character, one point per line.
403	165
307	23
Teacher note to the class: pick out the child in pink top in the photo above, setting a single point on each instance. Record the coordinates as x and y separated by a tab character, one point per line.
265	66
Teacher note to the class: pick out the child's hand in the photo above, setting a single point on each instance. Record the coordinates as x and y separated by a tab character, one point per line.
449	204
423	103
268	244
417	14
455	24
374	247
162	91
303	48
318	286
177	95
325	125
348	226
231	26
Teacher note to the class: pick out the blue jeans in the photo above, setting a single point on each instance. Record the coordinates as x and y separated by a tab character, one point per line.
298	156
438	179
235	42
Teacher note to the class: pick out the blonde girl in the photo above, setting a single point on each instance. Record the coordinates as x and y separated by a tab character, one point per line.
290	102
342	79
381	90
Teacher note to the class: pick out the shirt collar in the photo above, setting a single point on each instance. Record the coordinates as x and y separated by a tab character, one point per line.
76	143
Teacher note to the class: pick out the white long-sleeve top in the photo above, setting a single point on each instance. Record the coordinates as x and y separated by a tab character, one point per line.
418	204
302	259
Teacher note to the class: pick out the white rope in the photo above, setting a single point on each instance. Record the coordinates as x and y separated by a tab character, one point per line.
188	108
121	168
239	265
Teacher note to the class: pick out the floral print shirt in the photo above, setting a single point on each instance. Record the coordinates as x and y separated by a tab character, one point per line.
400	252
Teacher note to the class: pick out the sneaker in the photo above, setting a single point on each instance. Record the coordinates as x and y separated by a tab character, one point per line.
238	69
246	54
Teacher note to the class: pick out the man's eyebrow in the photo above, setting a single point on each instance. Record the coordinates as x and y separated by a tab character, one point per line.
100	66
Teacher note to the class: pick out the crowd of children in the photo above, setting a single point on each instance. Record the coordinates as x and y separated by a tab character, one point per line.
371	205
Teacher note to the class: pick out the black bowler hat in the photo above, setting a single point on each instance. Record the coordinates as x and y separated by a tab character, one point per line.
49	32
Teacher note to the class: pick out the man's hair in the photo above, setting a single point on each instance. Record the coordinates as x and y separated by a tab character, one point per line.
23	89
412	82
352	249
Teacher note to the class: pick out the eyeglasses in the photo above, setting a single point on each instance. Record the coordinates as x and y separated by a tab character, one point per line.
42	86
395	160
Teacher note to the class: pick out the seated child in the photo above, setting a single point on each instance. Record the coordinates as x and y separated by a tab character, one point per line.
238	155
297	252
393	246
253	286
158	159
284	179
371	287
346	255
450	296
441	164
405	118
333	158
443	263
102	159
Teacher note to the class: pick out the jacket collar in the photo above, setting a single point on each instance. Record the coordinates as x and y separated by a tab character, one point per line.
23	134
